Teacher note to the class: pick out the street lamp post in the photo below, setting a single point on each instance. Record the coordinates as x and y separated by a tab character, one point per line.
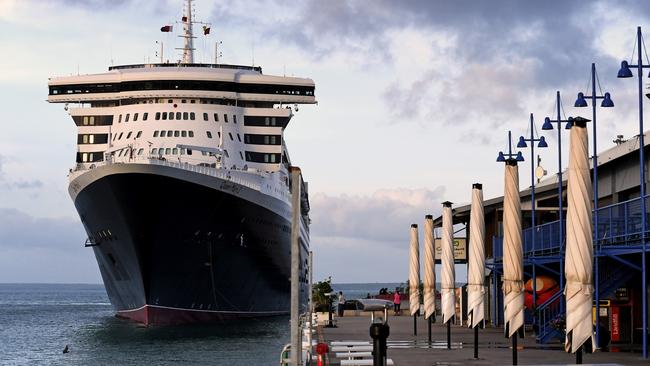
541	142
548	126
625	72
606	103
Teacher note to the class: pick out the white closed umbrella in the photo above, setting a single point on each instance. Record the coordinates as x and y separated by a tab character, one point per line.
448	274
414	271
513	264
578	264
476	262
429	269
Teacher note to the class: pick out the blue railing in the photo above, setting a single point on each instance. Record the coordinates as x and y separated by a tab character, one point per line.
618	224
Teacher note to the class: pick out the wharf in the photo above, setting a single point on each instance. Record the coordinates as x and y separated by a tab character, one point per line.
494	348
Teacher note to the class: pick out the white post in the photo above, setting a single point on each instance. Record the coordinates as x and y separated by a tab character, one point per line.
448	272
429	269
476	265
513	262
296	343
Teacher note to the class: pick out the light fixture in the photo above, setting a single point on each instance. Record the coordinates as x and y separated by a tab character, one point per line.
501	158
569	123
580	102
522	142
542	142
547	124
624	71
607	101
519	157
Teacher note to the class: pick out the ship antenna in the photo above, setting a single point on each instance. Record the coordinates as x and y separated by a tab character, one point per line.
188	47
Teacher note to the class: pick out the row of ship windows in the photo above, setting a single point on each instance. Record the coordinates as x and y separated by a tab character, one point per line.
185	116
128	136
255	157
252	139
257	121
171	133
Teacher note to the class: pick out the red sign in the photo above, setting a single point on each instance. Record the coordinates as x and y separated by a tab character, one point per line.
616	324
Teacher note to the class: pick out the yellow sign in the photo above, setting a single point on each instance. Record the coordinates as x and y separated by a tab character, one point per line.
460	250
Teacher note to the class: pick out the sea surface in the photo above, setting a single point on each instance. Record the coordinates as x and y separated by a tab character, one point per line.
38	320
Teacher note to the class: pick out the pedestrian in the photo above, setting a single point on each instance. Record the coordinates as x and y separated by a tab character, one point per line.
341	301
397	301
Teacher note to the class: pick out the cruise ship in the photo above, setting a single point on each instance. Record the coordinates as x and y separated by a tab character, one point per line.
182	183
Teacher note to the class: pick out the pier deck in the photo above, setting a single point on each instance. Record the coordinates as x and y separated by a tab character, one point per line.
408	350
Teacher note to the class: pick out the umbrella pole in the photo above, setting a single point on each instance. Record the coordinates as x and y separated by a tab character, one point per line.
476	341
430	321
514	348
415	324
579	356
449	334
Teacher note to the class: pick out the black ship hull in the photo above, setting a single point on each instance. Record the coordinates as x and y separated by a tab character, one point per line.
173	251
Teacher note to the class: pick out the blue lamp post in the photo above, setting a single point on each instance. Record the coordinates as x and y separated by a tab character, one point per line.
549	126
502	157
626	72
606	103
541	143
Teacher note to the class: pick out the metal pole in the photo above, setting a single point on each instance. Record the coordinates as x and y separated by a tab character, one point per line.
449	334
476	341
595	185
560	192
579	356
415	324
379	333
430	321
296	346
514	348
644	289
532	210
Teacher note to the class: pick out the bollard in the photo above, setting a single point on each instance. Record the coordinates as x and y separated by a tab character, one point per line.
379	333
330	323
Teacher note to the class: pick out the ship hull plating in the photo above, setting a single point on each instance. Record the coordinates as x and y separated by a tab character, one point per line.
172	251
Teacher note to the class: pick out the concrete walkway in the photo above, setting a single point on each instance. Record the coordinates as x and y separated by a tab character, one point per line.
494	349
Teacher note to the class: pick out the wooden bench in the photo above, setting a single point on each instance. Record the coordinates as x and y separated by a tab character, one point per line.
353	355
364	348
364	362
349	343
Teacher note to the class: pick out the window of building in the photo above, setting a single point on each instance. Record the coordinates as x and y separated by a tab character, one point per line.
177	133
128	135
178	115
163	133
126	119
157	116
225	118
145	116
190	133
209	134
164	115
155	134
183	133
138	135
216	117
205	116
230	134
120	136
234	118
135	117
192	116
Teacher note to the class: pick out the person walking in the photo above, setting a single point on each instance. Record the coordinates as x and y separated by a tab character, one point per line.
397	301
341	303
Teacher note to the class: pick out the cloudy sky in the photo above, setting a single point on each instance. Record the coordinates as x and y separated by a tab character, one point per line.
415	100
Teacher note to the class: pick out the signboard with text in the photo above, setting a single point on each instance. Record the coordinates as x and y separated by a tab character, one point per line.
460	250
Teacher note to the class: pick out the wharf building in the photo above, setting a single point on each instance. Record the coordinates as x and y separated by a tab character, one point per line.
618	249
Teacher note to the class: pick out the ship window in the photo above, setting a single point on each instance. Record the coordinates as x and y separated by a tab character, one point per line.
209	134
168	151
230	134
182	151
170	100
164	115
175	151
216	117
178	115
154	151
238	138
189	151
84	157
184	101
155	134
190	133
163	133
91	139
185	116
128	135
225	118
241	155
135	117
120	136
119	119
177	133
205	116
183	133
171	115
157	116
170	133
219	134
119	154
114	137
145	116
234	118
204	153
138	135
225	152
126	119
84	139
91	120
85	120
140	151
192	101
192	115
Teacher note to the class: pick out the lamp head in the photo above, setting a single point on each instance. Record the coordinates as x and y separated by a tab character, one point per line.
522	142
501	158
624	71
547	124
580	102
569	123
542	142
519	157
607	101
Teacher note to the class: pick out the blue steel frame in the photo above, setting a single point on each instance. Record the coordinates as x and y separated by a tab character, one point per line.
644	293
593	98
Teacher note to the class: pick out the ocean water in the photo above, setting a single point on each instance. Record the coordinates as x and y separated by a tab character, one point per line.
38	320
361	290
